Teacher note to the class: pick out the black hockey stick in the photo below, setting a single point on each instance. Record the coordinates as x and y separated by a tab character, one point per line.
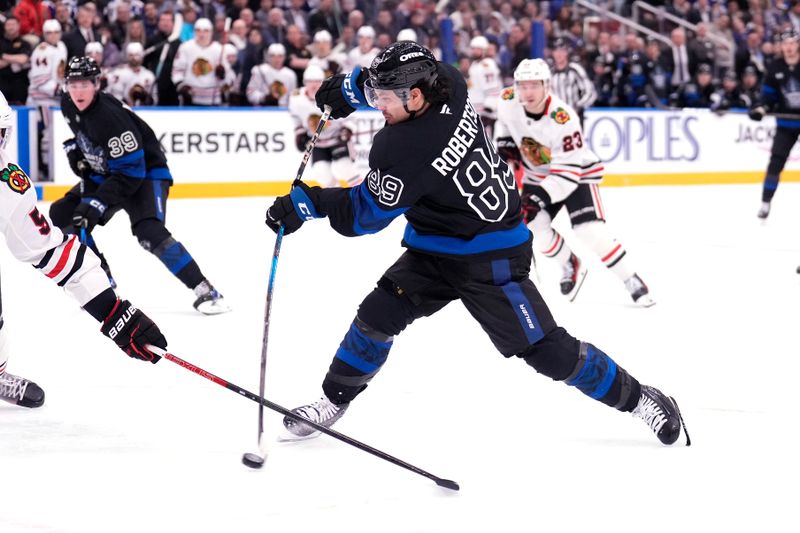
446	483
249	459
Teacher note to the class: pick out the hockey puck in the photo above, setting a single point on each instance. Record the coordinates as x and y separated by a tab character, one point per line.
252	460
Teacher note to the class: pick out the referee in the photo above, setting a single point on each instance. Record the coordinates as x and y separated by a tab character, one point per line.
570	81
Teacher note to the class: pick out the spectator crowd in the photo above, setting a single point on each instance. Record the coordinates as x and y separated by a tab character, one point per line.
254	52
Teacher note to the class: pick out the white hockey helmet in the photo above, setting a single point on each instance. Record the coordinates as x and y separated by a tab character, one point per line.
6	121
323	36
366	31
531	70
94	47
203	24
134	49
51	25
407	35
276	49
313	73
480	42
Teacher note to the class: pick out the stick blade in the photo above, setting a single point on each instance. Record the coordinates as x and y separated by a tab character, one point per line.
447	484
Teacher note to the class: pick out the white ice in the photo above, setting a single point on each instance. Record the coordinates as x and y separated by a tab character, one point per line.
123	446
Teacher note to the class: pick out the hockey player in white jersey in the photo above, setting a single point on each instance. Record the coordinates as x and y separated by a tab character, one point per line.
324	57
201	72
272	82
132	83
33	238
485	82
46	76
94	50
542	133
332	158
363	54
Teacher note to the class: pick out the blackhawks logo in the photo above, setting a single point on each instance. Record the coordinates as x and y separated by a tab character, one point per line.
313	122
277	89
201	67
507	94
560	115
16	178
535	152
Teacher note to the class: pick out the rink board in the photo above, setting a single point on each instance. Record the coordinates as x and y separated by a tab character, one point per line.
232	152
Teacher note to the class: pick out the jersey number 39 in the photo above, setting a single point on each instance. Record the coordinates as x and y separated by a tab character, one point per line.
124	143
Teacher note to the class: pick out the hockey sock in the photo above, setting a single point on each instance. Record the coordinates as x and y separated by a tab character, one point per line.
596	235
179	261
549	242
4	351
360	356
599	377
770	186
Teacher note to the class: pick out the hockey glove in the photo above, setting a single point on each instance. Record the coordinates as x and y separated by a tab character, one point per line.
508	150
77	163
88	213
292	209
757	113
534	199
343	92
301	140
219	72
132	330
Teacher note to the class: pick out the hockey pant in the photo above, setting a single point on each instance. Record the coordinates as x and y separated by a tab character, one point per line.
332	165
782	145
585	209
501	298
4	351
147	209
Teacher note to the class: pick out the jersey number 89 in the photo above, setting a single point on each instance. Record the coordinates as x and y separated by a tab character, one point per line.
124	143
484	188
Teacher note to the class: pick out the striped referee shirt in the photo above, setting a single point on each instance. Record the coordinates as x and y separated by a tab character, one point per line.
573	86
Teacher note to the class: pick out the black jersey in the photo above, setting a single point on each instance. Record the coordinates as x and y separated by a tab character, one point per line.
781	90
115	141
442	172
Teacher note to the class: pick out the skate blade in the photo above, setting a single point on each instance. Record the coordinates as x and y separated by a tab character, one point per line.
288	436
683	424
645	301
571	295
217	307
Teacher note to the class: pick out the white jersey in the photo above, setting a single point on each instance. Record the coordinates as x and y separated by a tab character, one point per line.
124	82
194	66
47	73
32	238
330	64
306	116
554	152
485	84
358	58
267	81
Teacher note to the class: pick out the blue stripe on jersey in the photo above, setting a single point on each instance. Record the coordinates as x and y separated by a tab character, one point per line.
131	165
501	272
159	174
788	123
484	242
97	178
367	216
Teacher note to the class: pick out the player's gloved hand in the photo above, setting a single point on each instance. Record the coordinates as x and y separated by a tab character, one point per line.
292	209
132	330
301	140
757	113
88	213
508	150
77	163
534	199
184	94
332	92
345	135
219	72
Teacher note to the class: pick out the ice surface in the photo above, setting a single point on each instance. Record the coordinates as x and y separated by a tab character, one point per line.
123	446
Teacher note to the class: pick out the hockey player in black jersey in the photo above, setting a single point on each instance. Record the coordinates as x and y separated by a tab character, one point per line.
122	167
465	240
780	93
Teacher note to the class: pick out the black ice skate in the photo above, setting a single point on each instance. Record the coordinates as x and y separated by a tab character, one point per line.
323	412
639	291
662	415
20	391
763	213
209	300
573	275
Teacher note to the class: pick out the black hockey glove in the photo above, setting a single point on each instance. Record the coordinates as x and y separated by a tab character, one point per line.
219	72
89	213
343	92
292	209
534	199
77	163
757	113
301	140
132	330
508	150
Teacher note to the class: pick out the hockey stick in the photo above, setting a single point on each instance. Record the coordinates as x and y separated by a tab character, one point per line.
446	483
226	30
249	459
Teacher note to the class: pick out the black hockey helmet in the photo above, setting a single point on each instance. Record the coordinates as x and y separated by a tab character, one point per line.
82	68
402	66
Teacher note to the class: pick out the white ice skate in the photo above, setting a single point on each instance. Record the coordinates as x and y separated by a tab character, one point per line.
639	291
323	412
572	277
209	301
763	212
20	391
